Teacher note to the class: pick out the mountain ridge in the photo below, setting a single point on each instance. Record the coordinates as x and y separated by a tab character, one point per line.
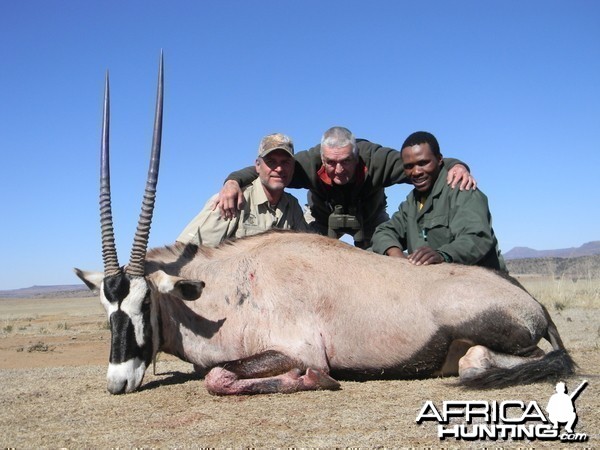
580	267
587	249
49	291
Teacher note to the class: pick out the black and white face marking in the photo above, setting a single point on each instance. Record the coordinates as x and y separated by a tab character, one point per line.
127	302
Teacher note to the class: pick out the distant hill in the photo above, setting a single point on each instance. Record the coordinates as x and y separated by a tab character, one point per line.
582	267
63	291
589	248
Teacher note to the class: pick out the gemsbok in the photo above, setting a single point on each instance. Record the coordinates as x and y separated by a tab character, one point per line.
286	311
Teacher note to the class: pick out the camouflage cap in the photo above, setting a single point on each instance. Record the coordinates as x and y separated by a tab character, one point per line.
276	141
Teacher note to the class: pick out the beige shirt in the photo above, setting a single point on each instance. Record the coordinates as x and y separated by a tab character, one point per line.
208	228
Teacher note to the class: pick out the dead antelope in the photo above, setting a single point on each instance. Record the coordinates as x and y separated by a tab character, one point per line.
285	312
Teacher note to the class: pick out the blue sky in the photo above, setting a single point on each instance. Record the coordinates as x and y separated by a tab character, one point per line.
510	87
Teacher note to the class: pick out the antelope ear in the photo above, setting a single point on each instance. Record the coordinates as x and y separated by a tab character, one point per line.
93	280
179	287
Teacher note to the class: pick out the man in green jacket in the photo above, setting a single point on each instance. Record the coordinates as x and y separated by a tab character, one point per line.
437	224
346	178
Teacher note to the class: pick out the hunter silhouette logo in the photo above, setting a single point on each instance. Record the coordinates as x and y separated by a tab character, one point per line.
561	407
510	419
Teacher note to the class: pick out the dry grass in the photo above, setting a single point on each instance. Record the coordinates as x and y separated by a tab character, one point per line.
57	398
563	292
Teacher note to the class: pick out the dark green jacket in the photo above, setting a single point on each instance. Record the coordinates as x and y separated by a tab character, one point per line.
454	222
379	167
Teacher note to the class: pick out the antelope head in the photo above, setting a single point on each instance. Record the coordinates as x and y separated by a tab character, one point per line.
126	293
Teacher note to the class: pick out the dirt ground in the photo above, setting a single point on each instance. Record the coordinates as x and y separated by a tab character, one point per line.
53	359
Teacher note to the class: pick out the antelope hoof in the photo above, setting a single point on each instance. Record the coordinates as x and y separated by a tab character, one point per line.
476	361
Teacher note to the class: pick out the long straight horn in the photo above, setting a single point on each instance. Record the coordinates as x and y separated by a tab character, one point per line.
140	242
109	250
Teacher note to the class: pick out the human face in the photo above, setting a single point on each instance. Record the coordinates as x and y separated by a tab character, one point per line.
340	164
275	170
421	166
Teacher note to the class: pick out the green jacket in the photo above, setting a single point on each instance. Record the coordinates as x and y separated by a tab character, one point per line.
379	167
456	223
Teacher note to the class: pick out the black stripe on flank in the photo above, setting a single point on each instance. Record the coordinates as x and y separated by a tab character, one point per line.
495	330
422	364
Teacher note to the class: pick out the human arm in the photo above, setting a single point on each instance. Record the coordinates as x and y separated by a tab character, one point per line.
386	167
395	252
389	237
208	228
307	162
243	177
470	226
458	174
230	199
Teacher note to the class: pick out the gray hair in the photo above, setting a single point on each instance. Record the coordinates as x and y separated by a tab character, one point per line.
337	137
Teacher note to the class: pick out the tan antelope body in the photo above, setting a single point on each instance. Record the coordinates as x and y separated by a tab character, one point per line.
285	311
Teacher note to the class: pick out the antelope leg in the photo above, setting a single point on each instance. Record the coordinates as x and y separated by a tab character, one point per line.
266	373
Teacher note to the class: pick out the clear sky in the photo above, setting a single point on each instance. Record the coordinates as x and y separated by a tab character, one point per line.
511	87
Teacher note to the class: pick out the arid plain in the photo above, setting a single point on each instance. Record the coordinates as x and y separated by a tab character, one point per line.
54	352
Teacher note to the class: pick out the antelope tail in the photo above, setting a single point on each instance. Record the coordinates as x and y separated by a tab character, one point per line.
554	365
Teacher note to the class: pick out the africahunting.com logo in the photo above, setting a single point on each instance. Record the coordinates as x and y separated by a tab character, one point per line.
512	419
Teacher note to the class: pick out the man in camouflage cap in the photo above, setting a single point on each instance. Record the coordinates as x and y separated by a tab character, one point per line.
267	205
